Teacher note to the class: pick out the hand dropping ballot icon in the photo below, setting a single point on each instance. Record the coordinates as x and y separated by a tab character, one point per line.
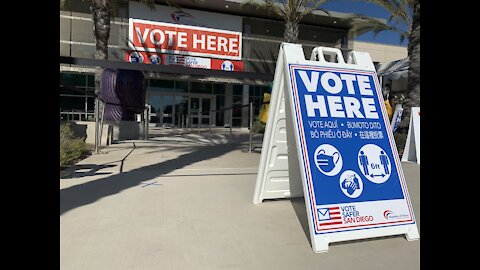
328	159
374	163
351	184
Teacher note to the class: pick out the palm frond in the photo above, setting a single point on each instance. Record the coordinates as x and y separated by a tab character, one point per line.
268	5
362	24
400	10
150	3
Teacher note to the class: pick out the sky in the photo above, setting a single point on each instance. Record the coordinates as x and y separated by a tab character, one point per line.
351	6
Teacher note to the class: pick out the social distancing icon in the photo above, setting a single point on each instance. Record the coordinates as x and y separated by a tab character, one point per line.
328	159
374	164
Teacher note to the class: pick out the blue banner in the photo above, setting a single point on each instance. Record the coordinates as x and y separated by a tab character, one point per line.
346	149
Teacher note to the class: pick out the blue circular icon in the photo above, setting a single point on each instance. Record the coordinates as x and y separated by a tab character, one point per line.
136	57
155	59
227	66
374	163
328	159
351	184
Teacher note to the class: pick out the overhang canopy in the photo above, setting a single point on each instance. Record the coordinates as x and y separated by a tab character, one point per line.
395	69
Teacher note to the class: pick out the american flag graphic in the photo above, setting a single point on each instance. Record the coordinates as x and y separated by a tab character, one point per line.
329	216
176	60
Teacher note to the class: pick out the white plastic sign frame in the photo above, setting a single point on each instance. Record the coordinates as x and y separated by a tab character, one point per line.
329	108
411	151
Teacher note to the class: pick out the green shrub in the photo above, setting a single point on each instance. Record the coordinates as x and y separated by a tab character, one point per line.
71	149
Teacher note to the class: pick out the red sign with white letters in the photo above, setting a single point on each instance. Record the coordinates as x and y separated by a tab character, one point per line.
162	37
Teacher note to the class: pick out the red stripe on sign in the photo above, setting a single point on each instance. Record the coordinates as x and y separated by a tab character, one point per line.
304	147
331	223
334	212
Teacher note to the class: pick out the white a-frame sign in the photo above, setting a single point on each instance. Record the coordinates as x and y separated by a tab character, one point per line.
411	151
328	129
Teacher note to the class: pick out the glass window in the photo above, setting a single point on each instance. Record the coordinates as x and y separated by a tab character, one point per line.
90	104
72	90
75	79
72	104
251	90
200	87
237	122
161	85
181	86
266	89
219	89
181	108
237	110
167	104
91	80
91	90
237	89
220	103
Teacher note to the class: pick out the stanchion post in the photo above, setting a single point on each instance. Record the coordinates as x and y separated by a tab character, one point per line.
231	122
210	125
101	126
251	125
199	121
97	123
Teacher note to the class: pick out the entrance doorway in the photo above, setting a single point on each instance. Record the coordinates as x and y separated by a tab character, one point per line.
181	111
200	107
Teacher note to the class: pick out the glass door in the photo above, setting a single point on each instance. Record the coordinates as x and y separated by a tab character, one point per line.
154	114
181	111
194	110
162	112
200	111
206	107
167	112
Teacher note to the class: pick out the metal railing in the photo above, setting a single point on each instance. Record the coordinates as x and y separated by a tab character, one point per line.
76	116
72	115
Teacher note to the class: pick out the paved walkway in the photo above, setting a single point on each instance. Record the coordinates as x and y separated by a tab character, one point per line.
184	201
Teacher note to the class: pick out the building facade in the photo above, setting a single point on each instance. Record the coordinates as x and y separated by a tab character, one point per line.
212	35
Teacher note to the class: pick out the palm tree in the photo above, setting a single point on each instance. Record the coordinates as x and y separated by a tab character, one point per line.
407	13
102	11
291	11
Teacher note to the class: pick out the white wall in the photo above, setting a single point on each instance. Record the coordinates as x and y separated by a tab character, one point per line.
381	52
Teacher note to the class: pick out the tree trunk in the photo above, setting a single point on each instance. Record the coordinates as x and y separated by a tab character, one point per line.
291	32
413	94
101	30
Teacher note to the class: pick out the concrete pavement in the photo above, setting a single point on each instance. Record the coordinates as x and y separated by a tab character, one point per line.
184	201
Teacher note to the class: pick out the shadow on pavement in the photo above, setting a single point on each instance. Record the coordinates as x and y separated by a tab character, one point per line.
301	212
82	170
89	192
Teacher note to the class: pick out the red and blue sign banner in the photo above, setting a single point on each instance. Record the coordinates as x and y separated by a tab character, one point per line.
161	37
184	60
353	176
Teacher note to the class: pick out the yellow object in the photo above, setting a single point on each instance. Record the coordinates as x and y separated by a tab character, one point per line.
263	116
389	109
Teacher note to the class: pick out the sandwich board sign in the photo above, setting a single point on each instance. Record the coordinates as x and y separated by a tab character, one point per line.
328	138
411	151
